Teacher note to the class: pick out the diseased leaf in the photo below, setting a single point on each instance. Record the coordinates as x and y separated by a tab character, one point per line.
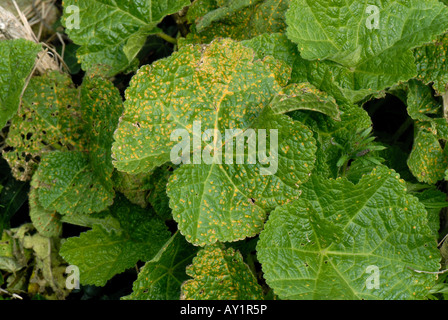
432	65
111	33
162	277
220	274
49	119
238	20
345	241
427	160
17	58
100	254
81	181
224	88
222	202
67	184
421	104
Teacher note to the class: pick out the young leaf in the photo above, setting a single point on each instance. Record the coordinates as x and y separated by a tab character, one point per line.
220	274
111	33
100	254
346	241
134	187
17	58
305	97
46	222
157	197
337	141
162	277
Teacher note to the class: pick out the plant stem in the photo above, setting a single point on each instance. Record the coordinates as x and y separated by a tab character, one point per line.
344	168
402	129
167	38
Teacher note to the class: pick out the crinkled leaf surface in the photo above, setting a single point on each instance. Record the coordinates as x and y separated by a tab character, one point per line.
421	104
343	32
100	254
157	196
162	277
81	181
222	202
432	65
305	97
427	161
47	223
134	187
336	80
335	139
220	274
112	32
235	19
326	244
365	57
224	88
433	200
49	119
17	58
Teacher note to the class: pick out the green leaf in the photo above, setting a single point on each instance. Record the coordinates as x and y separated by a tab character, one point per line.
305	97
67	184
17	58
432	65
365	57
46	222
327	76
340	240
433	200
336	140
427	161
220	274
81	181
157	197
162	277
345	33
111	33
224	88
134	187
238	20
13	196
100	254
